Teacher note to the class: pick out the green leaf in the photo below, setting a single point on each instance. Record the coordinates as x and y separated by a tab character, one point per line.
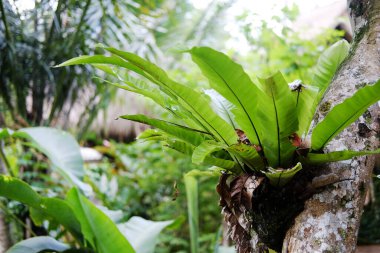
310	96
54	208
342	115
248	155
327	65
38	244
222	107
205	149
62	150
191	185
97	228
142	88
100	59
62	213
281	177
142	233
229	79
5	133
188	99
336	156
278	120
180	146
18	190
203	155
306	104
189	135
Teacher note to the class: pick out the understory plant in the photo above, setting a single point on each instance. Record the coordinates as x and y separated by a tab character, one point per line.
71	223
258	131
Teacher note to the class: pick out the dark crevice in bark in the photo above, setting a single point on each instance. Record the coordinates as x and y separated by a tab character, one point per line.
250	204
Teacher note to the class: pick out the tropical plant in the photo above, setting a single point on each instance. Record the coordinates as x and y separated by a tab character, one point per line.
256	129
75	218
33	40
91	228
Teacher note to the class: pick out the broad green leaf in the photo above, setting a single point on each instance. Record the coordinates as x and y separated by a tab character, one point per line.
202	154
52	208
62	213
222	107
210	172
18	190
222	163
327	65
38	244
100	59
248	155
305	100
189	135
62	150
142	233
191	185
189	99
142	88
5	133
278	120
336	156
97	228
180	146
342	115
204	149
281	177
229	79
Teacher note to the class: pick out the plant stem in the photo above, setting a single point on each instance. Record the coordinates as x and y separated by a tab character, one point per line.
4	18
7	166
7	212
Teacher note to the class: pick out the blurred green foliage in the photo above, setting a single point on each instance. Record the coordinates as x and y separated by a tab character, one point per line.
141	179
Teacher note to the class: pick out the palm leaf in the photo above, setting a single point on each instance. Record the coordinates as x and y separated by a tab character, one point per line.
278	120
344	114
230	80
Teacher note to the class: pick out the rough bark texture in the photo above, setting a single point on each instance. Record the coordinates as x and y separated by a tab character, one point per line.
330	220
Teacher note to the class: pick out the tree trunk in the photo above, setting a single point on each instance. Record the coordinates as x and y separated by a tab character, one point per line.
260	216
331	218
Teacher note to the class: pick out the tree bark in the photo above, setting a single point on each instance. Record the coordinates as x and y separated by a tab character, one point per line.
331	218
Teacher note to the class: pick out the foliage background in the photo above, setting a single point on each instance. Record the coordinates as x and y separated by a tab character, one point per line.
137	178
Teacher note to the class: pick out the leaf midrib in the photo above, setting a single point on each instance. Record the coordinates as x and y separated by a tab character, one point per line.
245	111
